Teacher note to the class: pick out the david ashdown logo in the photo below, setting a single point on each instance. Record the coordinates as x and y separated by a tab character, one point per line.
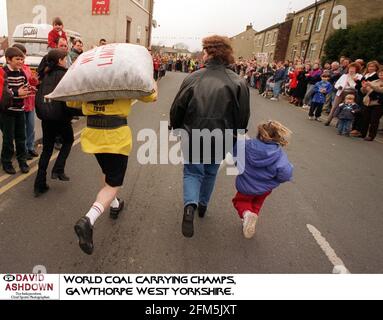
9	277
29	287
31	282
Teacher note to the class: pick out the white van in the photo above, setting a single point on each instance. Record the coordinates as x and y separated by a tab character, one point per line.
35	39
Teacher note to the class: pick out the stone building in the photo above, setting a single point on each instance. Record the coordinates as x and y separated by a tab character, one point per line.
265	42
244	43
315	23
115	20
308	31
172	52
283	39
304	33
272	42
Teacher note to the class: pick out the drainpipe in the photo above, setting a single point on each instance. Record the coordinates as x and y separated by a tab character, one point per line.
263	41
327	27
311	30
151	8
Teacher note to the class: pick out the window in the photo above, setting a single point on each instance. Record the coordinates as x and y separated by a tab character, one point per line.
139	33
260	41
275	37
300	25
267	39
309	23
319	23
143	3
293	53
313	48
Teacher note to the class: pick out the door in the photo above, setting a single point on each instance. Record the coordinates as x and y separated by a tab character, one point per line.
128	29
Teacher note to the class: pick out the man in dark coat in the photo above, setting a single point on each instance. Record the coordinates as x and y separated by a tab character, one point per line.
211	101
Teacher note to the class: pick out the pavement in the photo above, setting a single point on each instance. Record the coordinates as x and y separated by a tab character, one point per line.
330	215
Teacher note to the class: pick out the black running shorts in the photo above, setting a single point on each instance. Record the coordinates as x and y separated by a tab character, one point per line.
114	167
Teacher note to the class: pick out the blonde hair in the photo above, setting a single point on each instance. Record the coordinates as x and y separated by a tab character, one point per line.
349	96
375	64
273	131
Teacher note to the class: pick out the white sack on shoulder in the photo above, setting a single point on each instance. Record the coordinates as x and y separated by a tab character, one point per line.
114	71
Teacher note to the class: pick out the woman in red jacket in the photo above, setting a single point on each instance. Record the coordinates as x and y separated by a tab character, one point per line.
293	75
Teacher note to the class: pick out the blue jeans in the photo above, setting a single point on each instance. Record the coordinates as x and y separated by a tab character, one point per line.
30	130
199	181
252	81
277	88
344	126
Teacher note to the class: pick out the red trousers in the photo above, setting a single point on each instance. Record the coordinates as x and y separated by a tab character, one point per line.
245	203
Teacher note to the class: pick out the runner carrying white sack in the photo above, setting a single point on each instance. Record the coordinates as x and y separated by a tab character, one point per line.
111	72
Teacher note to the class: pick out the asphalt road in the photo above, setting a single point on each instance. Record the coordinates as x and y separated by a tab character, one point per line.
337	189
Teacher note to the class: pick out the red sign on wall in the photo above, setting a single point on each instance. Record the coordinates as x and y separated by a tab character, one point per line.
100	7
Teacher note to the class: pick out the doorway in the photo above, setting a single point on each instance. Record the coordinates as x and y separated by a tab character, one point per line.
128	29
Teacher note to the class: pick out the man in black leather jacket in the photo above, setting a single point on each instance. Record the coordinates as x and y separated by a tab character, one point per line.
217	99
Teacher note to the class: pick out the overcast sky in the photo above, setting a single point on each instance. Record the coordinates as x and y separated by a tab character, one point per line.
188	21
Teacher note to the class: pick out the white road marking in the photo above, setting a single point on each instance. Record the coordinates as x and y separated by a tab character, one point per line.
339	267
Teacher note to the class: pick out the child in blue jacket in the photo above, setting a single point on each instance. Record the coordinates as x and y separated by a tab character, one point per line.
346	114
264	167
321	90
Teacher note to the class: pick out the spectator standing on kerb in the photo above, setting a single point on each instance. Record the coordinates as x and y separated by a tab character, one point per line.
313	77
345	85
346	114
373	112
76	50
63	45
320	92
279	78
56	121
29	108
13	119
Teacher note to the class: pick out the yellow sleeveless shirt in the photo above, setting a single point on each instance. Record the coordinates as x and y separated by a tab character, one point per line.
117	141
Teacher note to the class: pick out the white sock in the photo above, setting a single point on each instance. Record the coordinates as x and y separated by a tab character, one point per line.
95	212
115	203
